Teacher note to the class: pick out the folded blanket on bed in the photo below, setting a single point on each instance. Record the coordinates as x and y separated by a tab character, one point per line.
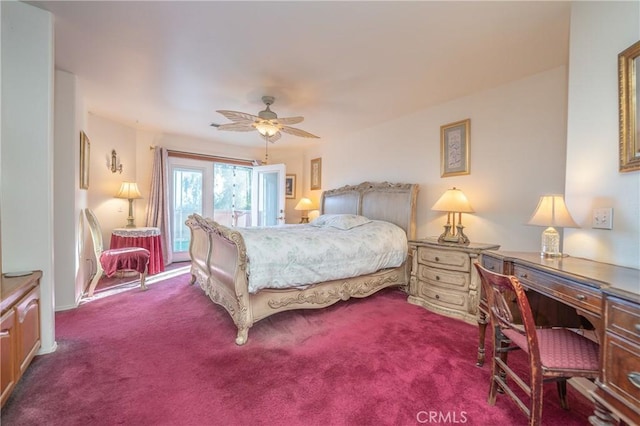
298	255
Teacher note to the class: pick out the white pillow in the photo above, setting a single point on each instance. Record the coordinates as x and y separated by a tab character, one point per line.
340	221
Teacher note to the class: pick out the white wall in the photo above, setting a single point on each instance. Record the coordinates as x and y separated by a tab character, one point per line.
599	31
71	269
27	151
517	154
106	135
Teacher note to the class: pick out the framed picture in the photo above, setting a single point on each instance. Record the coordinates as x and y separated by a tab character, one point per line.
85	148
316	173
454	148
290	186
629	113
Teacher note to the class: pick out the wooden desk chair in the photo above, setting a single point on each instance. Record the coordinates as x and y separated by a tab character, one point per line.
555	354
111	261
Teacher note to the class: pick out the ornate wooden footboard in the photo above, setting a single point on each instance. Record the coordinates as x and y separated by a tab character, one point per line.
219	260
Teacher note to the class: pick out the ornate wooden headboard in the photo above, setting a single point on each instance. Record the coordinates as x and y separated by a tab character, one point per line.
391	202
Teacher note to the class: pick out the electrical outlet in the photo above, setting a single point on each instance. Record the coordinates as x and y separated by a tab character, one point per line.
602	218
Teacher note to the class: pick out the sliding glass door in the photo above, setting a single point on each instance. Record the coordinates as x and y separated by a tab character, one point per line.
230	194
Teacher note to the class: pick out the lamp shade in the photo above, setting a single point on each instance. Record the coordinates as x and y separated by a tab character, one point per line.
304	204
552	211
453	200
129	190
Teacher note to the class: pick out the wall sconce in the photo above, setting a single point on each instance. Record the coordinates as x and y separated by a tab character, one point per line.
453	201
116	166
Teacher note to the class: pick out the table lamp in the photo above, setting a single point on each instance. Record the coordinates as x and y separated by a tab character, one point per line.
453	201
130	191
551	212
304	205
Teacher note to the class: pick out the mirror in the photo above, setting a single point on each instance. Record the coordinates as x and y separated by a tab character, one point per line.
628	64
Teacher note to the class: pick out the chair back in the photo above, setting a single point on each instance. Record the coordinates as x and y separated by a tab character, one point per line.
96	232
497	288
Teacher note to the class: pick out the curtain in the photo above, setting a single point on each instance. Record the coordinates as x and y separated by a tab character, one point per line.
158	206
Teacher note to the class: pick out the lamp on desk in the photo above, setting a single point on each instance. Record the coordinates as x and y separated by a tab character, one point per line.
453	201
304	205
551	212
129	191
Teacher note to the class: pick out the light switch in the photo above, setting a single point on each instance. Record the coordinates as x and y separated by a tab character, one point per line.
602	218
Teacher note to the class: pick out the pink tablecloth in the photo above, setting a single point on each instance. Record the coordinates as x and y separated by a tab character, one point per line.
148	238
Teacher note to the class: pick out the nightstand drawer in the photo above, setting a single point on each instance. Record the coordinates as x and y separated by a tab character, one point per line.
569	292
623	318
622	369
442	278
457	301
453	260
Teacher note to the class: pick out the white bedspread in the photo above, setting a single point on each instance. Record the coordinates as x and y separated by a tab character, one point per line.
298	255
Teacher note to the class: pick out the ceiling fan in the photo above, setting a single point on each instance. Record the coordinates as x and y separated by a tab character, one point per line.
266	123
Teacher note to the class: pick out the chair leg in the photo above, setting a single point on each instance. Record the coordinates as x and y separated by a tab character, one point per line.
143	277
535	415
96	278
562	393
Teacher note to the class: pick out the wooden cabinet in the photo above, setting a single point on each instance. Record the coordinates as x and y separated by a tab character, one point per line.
443	278
618	388
19	328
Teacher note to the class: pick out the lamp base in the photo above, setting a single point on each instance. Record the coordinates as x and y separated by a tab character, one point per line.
304	220
130	218
448	237
550	243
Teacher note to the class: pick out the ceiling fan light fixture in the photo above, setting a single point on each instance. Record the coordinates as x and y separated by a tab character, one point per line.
266	128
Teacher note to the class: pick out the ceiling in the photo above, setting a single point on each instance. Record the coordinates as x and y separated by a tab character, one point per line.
344	66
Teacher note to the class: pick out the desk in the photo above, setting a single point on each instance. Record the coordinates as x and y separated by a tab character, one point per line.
609	297
148	238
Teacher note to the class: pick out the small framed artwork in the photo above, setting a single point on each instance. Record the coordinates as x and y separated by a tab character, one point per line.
316	173
454	148
290	186
85	148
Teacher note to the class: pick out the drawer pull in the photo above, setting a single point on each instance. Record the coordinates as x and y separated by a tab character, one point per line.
437	277
637	326
524	276
437	296
634	378
437	259
491	268
581	297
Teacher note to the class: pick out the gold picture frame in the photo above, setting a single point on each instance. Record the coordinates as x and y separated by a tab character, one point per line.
629	93
290	186
85	151
316	173
454	148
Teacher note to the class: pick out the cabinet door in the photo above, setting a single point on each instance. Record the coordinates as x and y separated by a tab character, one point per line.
8	367
28	316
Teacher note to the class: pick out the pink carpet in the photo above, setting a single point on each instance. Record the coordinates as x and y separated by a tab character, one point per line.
167	357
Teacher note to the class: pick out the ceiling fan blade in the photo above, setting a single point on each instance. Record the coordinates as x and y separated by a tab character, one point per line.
236	116
245	126
298	132
290	120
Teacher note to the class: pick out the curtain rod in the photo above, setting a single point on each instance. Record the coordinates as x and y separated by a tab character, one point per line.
217	157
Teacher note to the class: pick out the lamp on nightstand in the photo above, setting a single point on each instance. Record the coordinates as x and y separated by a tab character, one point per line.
304	205
453	201
551	212
129	191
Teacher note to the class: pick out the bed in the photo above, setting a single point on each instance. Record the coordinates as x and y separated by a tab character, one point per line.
220	263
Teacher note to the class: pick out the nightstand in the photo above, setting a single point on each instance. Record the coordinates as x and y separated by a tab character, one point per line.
443	278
